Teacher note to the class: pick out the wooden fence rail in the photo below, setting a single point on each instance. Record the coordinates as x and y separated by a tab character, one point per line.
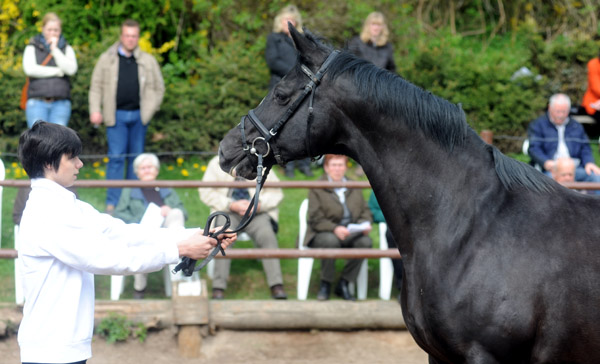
282	253
238	184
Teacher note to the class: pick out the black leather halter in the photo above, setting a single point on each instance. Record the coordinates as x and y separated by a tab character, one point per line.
266	135
188	265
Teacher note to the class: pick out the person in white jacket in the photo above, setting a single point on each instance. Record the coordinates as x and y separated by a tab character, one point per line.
65	241
48	61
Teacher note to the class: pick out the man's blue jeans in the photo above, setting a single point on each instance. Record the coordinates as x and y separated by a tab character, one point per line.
126	140
56	112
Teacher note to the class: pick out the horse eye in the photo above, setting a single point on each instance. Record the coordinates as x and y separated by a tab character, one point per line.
280	97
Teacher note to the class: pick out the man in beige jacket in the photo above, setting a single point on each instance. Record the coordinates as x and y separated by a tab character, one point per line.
126	90
262	229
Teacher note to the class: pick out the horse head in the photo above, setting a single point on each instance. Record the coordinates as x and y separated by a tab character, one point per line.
292	122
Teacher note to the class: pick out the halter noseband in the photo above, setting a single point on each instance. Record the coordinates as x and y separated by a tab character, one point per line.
265	134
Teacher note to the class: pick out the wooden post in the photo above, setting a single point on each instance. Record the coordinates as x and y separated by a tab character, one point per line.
190	313
487	136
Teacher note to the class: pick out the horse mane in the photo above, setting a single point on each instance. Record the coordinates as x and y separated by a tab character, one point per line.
439	119
513	173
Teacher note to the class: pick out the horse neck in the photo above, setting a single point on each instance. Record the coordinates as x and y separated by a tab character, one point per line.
419	184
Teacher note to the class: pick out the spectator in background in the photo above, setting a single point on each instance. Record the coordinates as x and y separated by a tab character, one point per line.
134	202
281	57
591	98
378	218
564	170
555	135
373	43
126	90
48	61
262	229
334	216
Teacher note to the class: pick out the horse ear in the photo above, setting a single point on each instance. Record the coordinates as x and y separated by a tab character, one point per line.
300	41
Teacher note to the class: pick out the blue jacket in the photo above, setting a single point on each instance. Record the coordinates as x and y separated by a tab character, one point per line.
543	141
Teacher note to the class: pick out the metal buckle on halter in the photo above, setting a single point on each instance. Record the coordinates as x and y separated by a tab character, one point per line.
255	152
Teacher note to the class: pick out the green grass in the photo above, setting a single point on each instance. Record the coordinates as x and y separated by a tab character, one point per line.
247	279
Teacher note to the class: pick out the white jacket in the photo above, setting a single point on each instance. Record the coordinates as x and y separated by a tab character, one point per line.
63	243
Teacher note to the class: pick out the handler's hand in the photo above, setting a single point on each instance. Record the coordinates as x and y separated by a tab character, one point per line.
196	246
227	238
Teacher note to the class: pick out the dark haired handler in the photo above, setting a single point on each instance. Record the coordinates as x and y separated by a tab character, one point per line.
65	241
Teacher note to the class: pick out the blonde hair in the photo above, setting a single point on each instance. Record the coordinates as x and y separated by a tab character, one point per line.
290	11
365	35
50	17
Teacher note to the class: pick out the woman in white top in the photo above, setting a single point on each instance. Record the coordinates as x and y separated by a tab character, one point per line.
49	93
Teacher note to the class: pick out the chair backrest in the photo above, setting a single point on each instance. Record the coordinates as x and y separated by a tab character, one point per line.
383	243
2	176
302	223
525	147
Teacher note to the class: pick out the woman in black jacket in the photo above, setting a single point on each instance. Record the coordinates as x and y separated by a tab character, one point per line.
373	43
280	55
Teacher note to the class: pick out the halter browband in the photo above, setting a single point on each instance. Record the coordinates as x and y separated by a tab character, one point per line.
265	134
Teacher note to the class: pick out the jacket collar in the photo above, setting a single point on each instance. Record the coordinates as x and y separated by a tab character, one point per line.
55	188
114	49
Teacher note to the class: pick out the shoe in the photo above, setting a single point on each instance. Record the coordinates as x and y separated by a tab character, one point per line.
343	291
138	295
218	294
324	291
278	293
110	209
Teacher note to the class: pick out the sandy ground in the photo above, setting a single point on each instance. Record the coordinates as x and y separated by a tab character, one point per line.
254	347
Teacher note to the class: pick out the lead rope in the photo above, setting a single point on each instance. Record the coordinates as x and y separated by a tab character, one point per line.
188	265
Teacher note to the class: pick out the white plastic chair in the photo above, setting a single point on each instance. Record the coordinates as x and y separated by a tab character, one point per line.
2	176
305	264
386	268
19	294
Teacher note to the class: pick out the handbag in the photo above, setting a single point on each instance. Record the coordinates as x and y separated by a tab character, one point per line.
23	103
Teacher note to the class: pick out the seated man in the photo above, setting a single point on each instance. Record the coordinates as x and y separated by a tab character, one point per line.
330	212
555	135
262	229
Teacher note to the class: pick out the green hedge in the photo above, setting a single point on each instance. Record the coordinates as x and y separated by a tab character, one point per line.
212	57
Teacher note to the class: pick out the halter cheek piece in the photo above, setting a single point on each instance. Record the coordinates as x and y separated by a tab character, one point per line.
188	265
266	135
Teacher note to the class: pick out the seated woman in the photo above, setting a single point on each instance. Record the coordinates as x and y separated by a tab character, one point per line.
330	214
134	202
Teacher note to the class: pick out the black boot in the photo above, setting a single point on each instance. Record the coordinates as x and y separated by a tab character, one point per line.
324	291
342	290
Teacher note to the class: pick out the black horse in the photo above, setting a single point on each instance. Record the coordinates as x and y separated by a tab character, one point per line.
501	264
